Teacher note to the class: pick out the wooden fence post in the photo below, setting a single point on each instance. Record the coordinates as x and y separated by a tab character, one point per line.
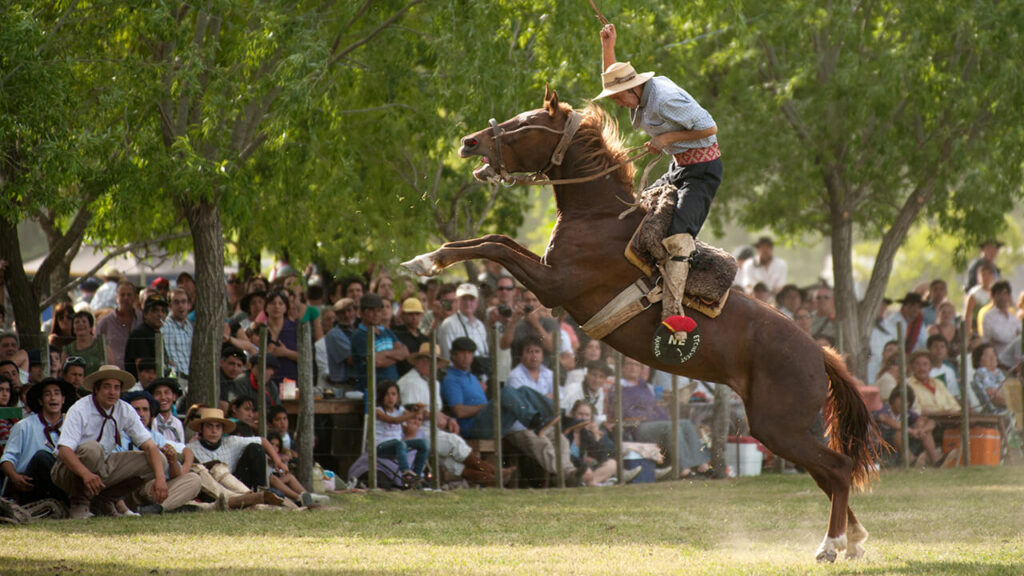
305	422
902	383
370	401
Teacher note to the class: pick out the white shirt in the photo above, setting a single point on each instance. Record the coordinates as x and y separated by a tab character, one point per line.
388	430
171	428
1000	328
84	423
229	451
458	325
520	377
415	389
773	275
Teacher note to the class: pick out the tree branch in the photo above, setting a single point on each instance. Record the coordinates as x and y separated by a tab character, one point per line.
341	54
111	255
65	241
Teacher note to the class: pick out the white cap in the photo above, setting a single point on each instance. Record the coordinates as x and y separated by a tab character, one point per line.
467	289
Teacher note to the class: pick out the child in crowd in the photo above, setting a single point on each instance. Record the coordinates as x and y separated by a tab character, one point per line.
591	450
920	428
389	440
286	483
279	424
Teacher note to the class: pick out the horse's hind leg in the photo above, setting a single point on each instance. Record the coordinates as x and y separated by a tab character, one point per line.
856	535
830	470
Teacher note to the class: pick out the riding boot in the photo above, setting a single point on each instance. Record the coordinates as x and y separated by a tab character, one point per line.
674	271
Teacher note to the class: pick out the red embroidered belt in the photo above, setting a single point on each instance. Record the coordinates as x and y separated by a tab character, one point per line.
698	155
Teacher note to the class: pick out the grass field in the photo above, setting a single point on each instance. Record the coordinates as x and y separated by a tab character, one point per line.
922	522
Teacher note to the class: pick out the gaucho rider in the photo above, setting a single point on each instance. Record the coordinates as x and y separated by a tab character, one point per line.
678	125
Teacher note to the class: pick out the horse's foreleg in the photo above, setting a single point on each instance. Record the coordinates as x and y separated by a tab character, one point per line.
450	253
496	238
521	263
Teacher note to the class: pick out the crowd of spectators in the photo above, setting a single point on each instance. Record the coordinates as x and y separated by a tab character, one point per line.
108	432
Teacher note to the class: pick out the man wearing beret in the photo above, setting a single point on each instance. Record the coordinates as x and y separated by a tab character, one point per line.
31	448
142	340
87	468
232	385
166	392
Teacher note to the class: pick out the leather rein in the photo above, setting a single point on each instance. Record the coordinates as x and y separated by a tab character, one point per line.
540	177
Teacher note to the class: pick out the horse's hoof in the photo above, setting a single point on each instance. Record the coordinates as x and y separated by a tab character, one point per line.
830	549
826	556
422	265
855	551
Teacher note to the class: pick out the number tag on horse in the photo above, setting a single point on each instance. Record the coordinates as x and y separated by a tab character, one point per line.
669	350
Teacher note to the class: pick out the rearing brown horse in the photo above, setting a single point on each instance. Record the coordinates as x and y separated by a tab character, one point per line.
783	377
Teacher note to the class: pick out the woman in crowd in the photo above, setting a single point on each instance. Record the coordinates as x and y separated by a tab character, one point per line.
86	345
988	379
298	310
60	329
282	335
7	399
946	326
591	449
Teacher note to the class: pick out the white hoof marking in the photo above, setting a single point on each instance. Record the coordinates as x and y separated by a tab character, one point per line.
830	549
423	265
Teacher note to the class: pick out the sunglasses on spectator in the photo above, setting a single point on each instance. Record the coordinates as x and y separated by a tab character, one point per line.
823	297
506	288
74	361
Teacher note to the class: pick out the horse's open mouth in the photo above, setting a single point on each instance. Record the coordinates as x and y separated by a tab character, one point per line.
485	172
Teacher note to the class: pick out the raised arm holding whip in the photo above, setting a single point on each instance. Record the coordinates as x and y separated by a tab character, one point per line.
678	125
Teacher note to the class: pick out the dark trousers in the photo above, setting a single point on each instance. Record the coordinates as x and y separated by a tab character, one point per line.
42	485
697	185
252	467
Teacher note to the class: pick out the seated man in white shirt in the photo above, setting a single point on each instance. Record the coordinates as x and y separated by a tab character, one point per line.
531	371
182	486
87	468
31	447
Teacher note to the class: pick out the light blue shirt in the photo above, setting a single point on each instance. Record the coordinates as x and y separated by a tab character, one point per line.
25	440
665	107
520	376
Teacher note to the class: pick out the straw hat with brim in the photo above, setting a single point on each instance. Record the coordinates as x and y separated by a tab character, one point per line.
34	396
108	372
620	77
211	415
424	352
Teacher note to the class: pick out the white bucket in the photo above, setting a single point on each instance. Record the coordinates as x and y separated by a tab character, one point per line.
743	457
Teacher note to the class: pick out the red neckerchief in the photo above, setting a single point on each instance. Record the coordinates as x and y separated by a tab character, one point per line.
117	433
252	384
47	429
913	328
927	383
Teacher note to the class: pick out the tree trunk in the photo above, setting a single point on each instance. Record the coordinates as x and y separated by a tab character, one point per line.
208	243
848	330
24	298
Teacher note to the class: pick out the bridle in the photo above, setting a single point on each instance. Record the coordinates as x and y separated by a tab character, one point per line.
540	177
572	124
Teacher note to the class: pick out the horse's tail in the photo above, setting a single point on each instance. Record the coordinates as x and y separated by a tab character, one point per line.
851	430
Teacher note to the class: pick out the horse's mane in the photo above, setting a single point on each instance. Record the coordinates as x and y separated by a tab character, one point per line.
599	135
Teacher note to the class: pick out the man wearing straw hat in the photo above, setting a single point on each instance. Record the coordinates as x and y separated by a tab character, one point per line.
87	468
679	126
245	456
